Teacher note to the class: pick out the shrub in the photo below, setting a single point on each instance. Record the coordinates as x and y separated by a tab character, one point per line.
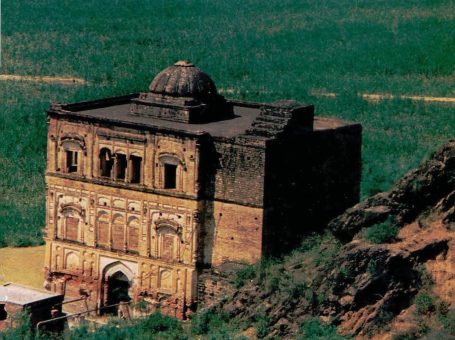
208	321
262	325
385	232
372	267
158	322
411	334
299	289
22	328
326	254
448	321
424	303
310	242
243	275
313	329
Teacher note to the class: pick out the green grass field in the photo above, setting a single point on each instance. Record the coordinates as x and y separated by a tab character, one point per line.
254	50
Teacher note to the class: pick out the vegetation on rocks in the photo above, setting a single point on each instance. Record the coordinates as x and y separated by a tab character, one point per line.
385	232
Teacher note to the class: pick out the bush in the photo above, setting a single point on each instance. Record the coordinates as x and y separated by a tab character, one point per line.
154	326
22	329
262	325
158	322
385	232
411	334
373	267
243	275
424	303
313	329
448	321
208	321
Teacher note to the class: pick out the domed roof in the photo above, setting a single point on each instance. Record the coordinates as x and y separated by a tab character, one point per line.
183	79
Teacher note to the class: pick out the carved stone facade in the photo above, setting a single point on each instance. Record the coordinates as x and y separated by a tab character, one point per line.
146	190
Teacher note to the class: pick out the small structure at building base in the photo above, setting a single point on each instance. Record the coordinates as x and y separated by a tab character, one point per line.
40	304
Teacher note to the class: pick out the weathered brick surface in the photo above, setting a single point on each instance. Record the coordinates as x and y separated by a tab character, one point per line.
240	177
231	233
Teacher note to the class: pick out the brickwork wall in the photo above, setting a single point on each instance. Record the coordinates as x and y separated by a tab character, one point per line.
234	201
311	177
240	176
177	291
233	233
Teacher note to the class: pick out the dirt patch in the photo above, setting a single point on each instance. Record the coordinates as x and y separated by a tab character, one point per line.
380	96
376	97
45	79
22	265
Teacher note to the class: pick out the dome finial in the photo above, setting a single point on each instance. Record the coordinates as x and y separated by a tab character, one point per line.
184	63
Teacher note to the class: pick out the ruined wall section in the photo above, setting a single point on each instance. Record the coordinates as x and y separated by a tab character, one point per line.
162	229
311	177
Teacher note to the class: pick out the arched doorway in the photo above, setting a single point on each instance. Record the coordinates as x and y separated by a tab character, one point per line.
118	287
117	281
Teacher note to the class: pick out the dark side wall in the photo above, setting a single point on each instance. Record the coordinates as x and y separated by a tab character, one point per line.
310	177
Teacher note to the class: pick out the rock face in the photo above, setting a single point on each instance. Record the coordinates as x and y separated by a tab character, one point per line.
381	280
368	285
433	183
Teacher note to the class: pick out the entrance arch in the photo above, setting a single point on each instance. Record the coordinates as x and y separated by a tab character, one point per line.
118	289
117	281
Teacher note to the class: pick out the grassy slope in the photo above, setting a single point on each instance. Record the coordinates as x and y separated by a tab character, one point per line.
254	50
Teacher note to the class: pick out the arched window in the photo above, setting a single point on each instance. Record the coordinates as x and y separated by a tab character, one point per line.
106	162
103	229
70	222
71	261
72	160
73	147
133	234
118	232
165	279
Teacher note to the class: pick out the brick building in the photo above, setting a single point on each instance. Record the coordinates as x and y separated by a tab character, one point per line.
41	305
146	190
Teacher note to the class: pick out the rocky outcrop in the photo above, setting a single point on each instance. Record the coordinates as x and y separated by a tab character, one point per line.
374	283
417	192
